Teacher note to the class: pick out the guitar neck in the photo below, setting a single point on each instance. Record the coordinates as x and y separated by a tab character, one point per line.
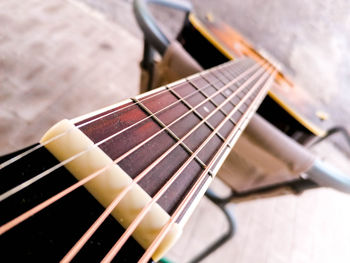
169	143
217	103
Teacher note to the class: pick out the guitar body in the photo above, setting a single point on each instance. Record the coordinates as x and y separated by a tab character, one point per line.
287	107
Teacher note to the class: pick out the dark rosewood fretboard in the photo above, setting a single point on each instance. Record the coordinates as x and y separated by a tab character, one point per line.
201	116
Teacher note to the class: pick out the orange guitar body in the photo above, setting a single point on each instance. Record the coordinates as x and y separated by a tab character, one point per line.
287	106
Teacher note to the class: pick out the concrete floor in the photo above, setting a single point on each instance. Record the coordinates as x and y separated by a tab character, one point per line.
52	56
60	59
311	227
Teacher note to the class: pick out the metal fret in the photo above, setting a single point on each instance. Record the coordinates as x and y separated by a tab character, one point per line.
197	113
170	132
226	96
225	72
211	100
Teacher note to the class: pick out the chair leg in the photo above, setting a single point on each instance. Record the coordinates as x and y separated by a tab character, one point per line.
220	203
147	63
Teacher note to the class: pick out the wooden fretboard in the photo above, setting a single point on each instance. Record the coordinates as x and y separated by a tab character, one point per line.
187	127
224	96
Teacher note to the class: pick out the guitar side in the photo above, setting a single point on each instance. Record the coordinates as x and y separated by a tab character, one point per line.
288	107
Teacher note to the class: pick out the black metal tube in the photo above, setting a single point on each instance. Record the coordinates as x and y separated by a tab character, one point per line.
221	204
151	31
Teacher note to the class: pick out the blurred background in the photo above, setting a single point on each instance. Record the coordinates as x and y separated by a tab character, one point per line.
61	59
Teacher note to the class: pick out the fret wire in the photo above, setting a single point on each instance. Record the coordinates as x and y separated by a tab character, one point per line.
215	72
15	158
170	132
230	63
131	228
44	204
211	100
236	70
237	83
225	96
247	62
215	87
226	66
19	156
224	73
197	114
222	78
148	253
249	105
242	102
234	63
219	69
102	217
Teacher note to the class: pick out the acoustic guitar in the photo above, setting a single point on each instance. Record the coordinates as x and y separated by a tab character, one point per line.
118	184
288	107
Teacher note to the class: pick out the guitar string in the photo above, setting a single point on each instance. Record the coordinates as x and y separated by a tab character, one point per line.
32	180
115	249
22	155
51	200
75	249
166	228
48	171
131	228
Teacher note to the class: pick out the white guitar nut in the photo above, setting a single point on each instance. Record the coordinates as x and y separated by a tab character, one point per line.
107	185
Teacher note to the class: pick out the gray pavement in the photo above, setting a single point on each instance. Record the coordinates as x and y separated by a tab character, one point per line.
54	57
